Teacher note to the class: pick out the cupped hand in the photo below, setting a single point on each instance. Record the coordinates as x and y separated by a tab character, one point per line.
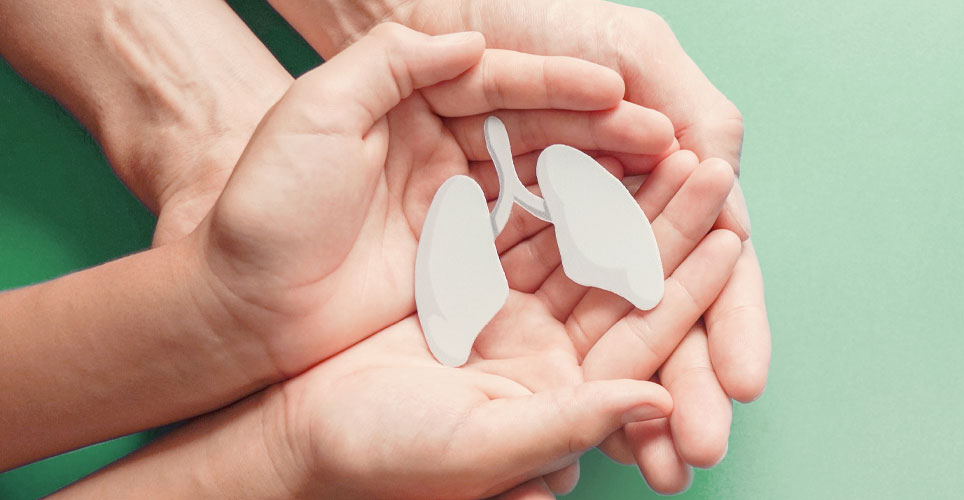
313	241
385	419
311	246
658	74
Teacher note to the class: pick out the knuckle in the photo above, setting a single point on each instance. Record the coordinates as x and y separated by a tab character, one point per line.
651	19
643	331
490	85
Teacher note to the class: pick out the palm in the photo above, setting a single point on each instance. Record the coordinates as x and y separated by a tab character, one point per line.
375	278
390	386
389	389
316	232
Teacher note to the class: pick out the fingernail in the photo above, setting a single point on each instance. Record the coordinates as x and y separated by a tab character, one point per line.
642	413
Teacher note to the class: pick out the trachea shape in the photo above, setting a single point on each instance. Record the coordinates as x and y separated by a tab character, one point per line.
604	239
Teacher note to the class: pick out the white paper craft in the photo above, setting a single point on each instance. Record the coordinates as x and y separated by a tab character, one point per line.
604	239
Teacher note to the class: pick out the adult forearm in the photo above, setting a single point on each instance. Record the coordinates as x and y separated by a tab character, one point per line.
131	344
331	25
171	90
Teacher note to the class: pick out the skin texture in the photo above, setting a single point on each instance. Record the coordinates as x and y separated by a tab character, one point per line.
172	108
170	103
658	74
382	418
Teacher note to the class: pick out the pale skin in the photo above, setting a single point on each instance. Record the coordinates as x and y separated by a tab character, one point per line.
658	74
177	358
193	191
61	410
383	419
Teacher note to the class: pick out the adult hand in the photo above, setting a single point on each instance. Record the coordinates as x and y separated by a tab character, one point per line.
658	74
283	230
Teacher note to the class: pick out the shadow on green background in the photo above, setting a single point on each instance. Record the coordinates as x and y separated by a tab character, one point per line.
852	167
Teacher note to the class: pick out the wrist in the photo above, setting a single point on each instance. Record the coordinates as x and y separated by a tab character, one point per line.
241	352
185	195
256	457
331	25
172	118
236	452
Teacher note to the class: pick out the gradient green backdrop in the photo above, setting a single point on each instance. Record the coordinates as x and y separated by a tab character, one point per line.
854	127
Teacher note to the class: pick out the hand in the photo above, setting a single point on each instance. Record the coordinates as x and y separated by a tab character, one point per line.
520	397
641	47
311	246
280	256
383	418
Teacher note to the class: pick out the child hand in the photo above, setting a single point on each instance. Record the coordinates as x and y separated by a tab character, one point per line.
311	247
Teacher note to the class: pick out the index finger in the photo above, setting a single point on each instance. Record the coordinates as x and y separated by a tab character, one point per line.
505	79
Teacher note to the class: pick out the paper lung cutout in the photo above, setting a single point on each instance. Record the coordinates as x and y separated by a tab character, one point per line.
459	282
604	237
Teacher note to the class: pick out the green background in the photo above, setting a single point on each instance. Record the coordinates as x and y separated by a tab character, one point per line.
854	118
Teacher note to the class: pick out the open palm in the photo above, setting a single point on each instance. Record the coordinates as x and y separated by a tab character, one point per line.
519	408
384	419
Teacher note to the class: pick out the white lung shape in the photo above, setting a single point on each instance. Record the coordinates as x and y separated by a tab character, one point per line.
459	282
604	237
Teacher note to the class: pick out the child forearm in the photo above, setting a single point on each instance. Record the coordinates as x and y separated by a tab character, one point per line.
128	345
235	453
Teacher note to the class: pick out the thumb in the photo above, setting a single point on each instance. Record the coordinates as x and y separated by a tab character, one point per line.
361	84
545	431
291	189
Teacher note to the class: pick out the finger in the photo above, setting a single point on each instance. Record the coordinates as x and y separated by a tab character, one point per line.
521	224
678	229
688	217
739	332
639	342
616	446
734	215
706	122
702	411
547	430
328	111
354	89
505	79
626	128
535	489
655	454
485	174
664	182
529	262
561	294
564	480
